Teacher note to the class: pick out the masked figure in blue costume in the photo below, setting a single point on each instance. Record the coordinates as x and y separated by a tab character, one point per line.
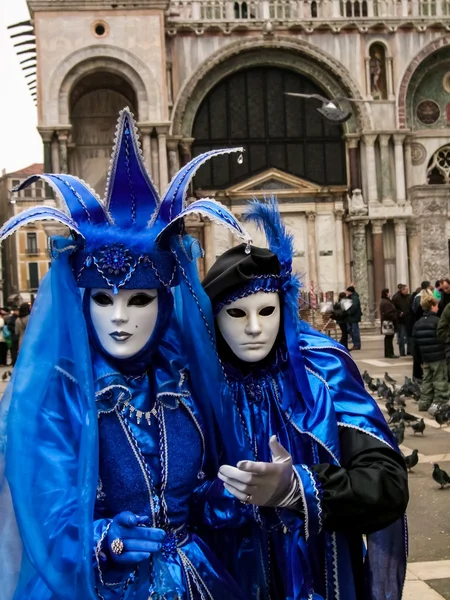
104	444
305	446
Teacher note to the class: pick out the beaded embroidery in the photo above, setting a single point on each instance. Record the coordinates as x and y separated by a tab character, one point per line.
135	412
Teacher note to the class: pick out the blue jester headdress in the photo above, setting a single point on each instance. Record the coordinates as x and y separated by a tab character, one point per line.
117	241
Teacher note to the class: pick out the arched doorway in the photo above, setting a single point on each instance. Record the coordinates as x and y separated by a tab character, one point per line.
250	108
290	151
95	102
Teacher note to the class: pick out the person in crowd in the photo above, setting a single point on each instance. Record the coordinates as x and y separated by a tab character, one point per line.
401	302
22	322
388	318
416	308
437	290
3	340
443	332
354	315
11	324
290	394
339	314
445	295
429	349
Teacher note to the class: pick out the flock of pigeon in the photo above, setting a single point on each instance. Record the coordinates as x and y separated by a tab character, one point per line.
399	419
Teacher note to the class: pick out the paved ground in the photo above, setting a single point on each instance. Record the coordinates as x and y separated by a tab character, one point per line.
429	509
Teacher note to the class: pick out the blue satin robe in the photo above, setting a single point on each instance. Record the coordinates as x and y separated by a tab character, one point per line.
153	469
278	563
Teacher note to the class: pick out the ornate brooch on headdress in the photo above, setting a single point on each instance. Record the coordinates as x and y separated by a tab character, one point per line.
117	241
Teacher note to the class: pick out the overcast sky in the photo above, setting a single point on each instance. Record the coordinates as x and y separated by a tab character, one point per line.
20	143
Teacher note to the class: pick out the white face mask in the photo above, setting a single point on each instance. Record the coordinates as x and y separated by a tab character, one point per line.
124	322
250	325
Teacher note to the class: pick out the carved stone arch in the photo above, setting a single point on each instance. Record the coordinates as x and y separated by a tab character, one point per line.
110	59
284	52
381	41
385	75
402	91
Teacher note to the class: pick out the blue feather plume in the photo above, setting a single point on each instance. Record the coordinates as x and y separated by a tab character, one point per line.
266	216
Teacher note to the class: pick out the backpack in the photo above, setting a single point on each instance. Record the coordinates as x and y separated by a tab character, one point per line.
416	303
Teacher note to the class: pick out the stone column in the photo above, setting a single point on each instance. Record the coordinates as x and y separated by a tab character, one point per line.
63	138
55	155
174	156
186	150
359	270
162	155
415	270
146	132
347	254
47	138
400	168
354	163
154	161
367	72
401	251
390	78
208	244
340	255
386	188
372	192
378	258
312	249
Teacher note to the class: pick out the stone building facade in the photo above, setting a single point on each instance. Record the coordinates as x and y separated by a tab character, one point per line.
25	258
366	200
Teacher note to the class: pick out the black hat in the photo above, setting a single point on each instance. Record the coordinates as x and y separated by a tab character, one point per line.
236	268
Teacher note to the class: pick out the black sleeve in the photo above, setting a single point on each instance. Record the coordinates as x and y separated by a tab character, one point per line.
369	491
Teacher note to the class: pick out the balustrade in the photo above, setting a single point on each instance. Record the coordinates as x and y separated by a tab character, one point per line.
295	10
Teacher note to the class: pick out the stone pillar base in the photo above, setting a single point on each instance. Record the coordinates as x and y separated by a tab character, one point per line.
430	206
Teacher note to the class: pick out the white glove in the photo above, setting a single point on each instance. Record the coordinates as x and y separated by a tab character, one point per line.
262	483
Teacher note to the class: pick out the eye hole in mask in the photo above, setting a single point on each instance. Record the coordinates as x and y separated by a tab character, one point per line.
140	300
102	299
236	313
267	311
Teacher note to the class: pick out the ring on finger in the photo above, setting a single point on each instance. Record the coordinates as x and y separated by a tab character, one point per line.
247	500
117	546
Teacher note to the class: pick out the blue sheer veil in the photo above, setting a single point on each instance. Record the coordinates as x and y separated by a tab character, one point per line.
50	398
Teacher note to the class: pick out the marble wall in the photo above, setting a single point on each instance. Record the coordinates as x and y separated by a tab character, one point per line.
133	45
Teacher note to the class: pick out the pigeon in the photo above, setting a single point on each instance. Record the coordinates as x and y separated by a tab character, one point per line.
402	415
382	391
366	377
397	416
440	476
399	401
330	109
388	394
418	427
412	460
390	408
388	378
372	387
441	417
408	417
399	432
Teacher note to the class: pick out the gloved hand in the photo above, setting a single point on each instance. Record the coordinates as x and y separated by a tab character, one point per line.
132	541
261	483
